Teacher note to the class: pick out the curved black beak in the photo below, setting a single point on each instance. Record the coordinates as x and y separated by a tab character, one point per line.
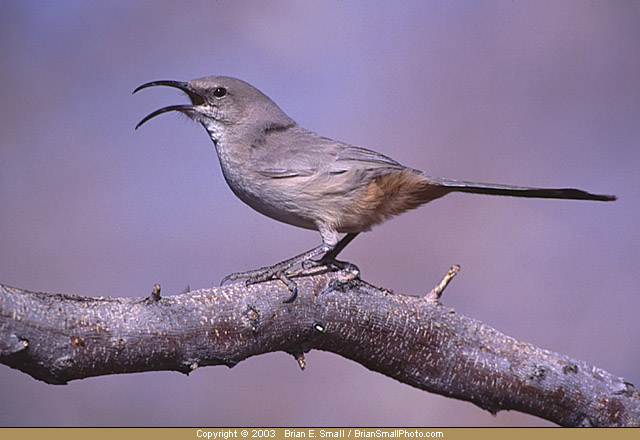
196	98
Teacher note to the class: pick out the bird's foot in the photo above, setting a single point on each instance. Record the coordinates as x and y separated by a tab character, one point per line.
277	271
329	263
281	271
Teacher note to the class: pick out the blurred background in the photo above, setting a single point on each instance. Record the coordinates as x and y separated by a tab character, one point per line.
530	93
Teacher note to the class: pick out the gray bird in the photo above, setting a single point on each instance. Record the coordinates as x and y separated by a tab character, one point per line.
298	177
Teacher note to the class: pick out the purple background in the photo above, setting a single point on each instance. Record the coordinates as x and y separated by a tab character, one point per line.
530	93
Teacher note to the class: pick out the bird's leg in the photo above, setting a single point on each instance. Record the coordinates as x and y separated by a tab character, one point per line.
280	270
329	249
329	258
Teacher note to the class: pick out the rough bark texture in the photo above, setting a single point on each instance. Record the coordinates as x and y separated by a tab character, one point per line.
57	338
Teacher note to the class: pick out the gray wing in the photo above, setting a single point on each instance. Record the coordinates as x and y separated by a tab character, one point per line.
363	157
301	153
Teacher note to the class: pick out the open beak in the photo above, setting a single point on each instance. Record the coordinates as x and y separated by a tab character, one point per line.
196	99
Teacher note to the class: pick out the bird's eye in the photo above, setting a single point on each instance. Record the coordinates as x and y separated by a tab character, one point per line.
220	92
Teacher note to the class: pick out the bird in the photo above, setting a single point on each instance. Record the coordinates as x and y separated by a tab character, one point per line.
296	176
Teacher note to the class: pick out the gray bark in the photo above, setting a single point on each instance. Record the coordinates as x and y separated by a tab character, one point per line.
57	338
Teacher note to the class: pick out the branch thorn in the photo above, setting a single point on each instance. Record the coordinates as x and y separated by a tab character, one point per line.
436	292
155	293
302	363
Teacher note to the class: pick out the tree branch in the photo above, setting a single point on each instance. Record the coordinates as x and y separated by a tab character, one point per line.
57	338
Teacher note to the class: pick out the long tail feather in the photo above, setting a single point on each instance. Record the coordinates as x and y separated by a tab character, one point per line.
521	191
